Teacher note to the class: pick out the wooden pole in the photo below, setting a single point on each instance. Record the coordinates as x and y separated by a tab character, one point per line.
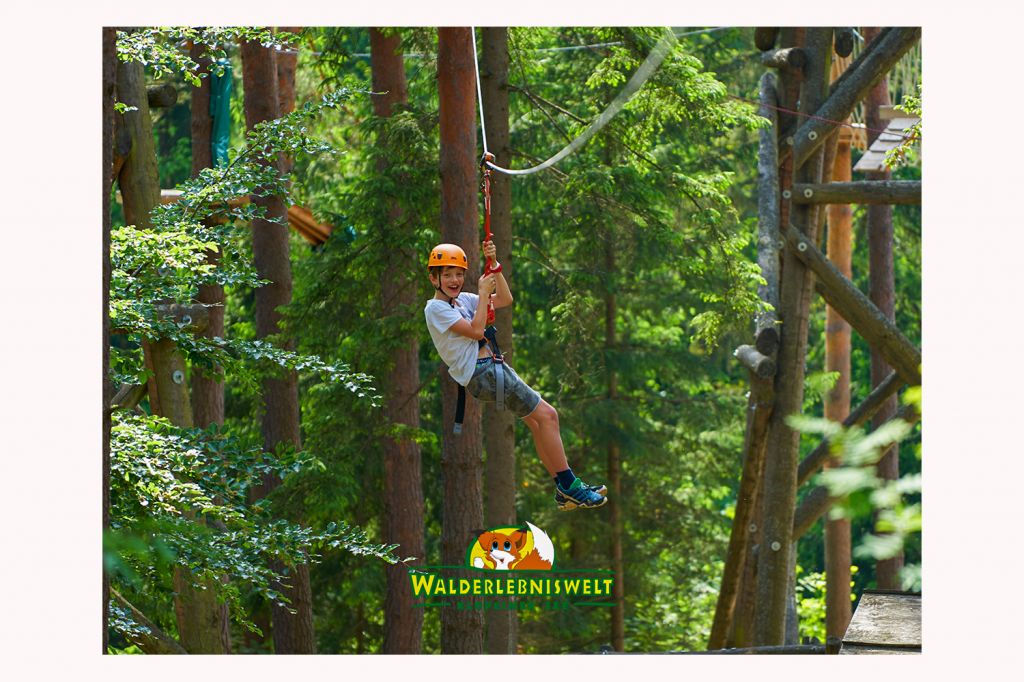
855	307
759	410
792	58
760	365
764	37
768	235
837	400
781	459
866	192
882	292
844	41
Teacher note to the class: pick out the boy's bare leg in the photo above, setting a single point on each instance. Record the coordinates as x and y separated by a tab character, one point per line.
547	438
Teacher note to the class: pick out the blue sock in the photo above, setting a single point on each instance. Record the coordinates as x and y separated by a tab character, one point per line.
565	478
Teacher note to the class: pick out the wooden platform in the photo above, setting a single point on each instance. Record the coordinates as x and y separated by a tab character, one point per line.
885	623
896	126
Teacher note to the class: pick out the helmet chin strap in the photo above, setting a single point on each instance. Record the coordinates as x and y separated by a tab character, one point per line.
451	299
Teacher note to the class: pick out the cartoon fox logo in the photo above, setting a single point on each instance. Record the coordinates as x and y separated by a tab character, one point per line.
505	552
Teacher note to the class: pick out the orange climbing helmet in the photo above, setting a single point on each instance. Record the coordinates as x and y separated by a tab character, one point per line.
448	254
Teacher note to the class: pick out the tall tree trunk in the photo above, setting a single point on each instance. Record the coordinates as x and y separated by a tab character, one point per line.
782	453
614	469
109	41
198	614
837	401
461	631
207	391
882	293
293	633
499	427
403	488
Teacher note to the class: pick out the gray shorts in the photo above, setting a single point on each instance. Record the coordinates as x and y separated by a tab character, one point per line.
520	399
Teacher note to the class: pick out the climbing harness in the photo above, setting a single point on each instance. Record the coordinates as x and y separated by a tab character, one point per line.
646	70
491	339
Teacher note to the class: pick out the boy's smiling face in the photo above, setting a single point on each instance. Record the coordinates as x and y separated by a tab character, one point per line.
452	279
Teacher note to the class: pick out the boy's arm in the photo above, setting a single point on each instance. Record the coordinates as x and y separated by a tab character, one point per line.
474	330
503	296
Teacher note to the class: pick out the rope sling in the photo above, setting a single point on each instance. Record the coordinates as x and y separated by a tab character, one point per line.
642	74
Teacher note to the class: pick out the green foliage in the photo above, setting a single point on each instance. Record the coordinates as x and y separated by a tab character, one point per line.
160	49
859	487
167	264
181	497
810	600
907	151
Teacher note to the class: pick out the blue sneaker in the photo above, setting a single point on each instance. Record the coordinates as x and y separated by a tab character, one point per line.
580	494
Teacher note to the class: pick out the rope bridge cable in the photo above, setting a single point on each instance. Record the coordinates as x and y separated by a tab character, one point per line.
646	70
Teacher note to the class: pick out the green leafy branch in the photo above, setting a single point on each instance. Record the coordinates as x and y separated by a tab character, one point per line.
857	486
901	154
180	496
165	49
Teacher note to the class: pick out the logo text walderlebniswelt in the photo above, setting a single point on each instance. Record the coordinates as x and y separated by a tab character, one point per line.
510	568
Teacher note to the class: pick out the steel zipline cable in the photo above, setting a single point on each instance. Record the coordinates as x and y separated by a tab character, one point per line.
646	70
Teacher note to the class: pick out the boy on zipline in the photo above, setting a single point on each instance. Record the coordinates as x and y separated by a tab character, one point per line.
458	327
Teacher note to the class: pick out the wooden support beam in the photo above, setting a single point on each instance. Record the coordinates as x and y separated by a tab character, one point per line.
774	570
766	333
872	65
858	310
162	96
862	192
761	365
128	396
790	58
818	501
759	410
814	461
844	40
814	506
764	37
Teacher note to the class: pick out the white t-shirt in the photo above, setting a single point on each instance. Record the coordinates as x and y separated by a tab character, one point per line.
458	352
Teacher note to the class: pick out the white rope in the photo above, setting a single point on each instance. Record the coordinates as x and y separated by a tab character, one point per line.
645	71
479	94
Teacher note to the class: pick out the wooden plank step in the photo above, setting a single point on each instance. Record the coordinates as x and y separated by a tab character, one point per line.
889	622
